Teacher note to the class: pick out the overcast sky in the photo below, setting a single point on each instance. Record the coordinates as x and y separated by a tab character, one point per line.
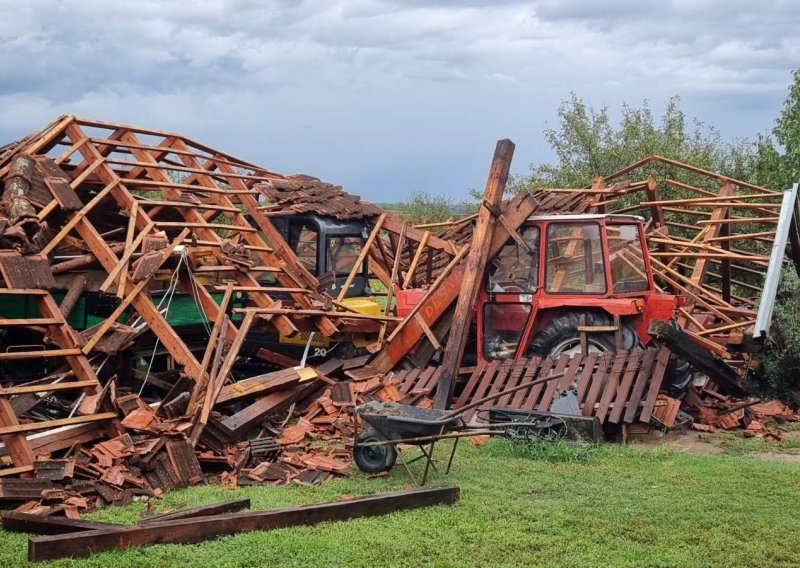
388	97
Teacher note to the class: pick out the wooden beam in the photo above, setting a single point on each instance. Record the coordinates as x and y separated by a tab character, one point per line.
361	257
123	276
217	380
474	270
201	385
18	447
73	295
123	262
45	387
201	511
32	426
131	295
204	528
413	266
76	217
445	289
39	524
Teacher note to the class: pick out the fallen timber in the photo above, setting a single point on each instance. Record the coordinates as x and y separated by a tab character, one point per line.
155	314
202	528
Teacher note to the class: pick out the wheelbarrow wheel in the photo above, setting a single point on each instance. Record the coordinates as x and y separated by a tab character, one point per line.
374	459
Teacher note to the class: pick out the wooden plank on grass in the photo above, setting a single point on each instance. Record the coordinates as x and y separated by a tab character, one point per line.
201	511
204	528
24	522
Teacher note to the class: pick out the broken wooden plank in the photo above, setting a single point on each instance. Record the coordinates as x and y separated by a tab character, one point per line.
260	385
203	528
31	426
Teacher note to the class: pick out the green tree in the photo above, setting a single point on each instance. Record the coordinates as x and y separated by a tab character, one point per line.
588	143
779	166
421	207
779	374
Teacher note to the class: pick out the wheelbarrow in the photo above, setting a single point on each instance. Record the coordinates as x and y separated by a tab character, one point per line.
375	449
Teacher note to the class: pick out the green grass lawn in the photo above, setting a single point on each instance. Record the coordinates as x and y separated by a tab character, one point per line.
554	506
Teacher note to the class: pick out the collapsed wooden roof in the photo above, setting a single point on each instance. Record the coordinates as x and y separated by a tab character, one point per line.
143	205
154	211
710	240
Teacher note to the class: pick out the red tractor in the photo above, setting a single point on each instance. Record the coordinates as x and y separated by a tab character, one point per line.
572	283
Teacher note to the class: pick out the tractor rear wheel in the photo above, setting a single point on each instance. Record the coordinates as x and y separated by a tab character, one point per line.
561	336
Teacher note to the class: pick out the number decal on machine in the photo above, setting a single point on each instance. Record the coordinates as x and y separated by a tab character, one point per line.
319	352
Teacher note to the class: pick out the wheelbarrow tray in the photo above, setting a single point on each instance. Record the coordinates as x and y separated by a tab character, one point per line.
396	421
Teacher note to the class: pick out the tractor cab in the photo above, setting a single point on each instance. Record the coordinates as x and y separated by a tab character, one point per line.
564	275
328	248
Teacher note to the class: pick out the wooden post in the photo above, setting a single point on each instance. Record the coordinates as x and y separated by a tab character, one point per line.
474	271
73	295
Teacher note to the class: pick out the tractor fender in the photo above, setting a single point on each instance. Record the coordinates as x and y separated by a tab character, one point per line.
612	306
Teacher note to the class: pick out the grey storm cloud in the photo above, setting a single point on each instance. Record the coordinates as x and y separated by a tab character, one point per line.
386	96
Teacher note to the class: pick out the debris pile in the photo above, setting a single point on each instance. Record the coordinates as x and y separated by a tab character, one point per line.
170	313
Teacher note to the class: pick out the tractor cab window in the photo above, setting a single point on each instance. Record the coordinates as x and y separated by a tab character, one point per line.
303	241
503	325
575	259
626	258
342	253
515	269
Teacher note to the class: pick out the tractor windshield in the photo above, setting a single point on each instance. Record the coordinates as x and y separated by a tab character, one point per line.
575	259
626	258
515	269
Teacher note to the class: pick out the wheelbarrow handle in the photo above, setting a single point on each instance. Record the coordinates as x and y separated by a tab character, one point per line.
480	401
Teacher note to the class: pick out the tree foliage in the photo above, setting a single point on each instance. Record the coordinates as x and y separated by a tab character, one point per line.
587	143
422	207
779	375
778	166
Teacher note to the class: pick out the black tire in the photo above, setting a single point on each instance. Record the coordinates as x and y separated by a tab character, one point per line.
677	377
562	332
374	459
